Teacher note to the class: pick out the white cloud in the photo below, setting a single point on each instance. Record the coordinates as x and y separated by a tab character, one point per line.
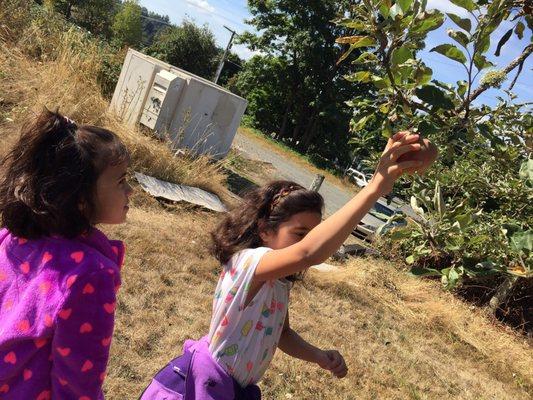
447	7
203	5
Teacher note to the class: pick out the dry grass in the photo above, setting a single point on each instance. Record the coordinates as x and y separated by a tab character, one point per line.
403	338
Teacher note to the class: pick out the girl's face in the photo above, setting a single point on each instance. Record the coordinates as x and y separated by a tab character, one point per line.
292	230
112	195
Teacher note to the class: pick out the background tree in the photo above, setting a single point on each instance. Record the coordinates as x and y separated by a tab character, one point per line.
263	82
127	27
95	16
307	109
152	25
187	46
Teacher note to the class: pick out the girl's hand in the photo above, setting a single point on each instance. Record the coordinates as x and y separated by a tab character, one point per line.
333	361
389	168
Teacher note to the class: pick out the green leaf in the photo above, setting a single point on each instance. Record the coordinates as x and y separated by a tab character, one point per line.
352	23
450	278
357	126
502	41
450	51
463	23
406	108
459	37
399	233
482	44
405	71
400	55
438	200
386	129
526	171
434	96
453	276
384	108
423	75
410	259
395	11
380	83
365	57
529	21
519	30
384	8
480	61
414	205
418	271
464	220
454	243
361	76
522	241
466	4
426	22
426	128
405	4
355	42
461	88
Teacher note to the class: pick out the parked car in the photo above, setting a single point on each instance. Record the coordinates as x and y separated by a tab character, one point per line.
358	177
378	217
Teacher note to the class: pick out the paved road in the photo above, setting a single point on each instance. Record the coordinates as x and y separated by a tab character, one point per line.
334	196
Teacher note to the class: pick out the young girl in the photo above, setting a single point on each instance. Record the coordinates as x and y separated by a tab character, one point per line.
264	244
58	273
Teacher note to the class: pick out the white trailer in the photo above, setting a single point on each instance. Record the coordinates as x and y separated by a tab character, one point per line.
191	112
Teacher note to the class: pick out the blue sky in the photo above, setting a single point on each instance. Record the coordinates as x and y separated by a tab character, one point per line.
232	13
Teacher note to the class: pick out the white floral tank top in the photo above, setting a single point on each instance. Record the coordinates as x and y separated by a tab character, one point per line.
242	339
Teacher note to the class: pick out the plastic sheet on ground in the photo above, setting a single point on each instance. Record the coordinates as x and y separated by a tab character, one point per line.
175	192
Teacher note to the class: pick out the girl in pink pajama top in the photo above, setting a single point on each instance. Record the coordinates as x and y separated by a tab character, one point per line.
59	274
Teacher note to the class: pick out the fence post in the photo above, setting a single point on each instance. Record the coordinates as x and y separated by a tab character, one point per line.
317	183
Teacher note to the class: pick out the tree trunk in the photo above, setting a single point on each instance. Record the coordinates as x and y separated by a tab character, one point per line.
309	134
296	131
283	130
502	293
296	136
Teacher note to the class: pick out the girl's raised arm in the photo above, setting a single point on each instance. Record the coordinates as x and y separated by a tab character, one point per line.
323	240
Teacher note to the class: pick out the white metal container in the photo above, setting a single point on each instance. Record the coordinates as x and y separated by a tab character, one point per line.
190	111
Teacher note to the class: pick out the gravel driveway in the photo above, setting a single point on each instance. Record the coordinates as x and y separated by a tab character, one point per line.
334	196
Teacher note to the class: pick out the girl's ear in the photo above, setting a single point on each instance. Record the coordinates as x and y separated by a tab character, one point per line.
264	233
83	206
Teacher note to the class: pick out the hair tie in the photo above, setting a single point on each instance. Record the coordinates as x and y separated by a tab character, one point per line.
282	193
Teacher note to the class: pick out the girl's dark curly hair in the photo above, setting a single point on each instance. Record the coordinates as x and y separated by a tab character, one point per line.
266	207
48	179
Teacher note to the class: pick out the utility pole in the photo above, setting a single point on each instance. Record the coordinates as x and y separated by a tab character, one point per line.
221	64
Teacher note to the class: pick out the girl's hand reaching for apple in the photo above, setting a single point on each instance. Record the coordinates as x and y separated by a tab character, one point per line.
390	166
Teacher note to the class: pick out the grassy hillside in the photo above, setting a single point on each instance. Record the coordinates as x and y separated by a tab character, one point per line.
403	338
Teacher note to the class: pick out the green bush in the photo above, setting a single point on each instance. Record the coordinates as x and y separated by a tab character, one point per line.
475	207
